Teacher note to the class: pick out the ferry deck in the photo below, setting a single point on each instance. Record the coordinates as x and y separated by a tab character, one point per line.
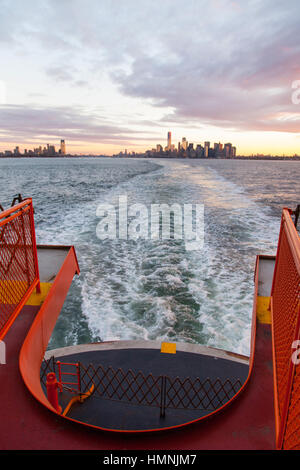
134	395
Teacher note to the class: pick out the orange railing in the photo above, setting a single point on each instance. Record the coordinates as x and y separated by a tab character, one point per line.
285	308
35	344
62	371
19	273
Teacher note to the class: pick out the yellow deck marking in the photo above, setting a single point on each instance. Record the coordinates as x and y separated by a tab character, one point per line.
262	310
169	348
8	290
38	299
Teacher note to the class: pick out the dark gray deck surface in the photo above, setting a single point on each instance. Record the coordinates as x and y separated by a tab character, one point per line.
119	414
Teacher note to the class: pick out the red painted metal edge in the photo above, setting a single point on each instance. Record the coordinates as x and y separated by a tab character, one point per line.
8	214
276	405
36	341
34	249
276	400
277	257
293	238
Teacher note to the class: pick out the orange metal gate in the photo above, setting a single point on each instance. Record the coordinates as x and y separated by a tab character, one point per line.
19	273
285	308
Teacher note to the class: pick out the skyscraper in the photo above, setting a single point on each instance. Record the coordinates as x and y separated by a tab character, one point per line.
169	141
218	148
184	144
227	150
206	149
62	147
51	150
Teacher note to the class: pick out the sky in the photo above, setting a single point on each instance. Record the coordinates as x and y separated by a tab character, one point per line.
109	75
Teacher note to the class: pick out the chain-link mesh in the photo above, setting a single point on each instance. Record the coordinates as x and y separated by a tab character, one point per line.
286	311
18	260
208	394
145	389
128	386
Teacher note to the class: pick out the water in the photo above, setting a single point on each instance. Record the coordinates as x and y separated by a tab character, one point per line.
157	290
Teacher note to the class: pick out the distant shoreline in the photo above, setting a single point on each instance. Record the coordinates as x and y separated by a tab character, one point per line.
214	158
19	157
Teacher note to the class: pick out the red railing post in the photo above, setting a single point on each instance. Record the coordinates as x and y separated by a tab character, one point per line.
34	247
52	386
25	247
58	363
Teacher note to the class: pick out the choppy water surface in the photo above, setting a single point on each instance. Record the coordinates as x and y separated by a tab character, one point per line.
134	289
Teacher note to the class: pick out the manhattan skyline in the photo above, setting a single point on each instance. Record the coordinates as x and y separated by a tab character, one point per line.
110	75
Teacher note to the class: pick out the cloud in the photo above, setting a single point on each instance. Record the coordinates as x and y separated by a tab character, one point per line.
238	79
26	124
218	62
59	73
